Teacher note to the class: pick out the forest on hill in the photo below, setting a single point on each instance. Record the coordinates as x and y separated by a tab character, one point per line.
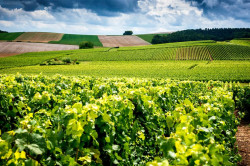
217	34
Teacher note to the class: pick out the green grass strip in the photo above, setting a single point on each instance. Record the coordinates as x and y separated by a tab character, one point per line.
10	36
77	39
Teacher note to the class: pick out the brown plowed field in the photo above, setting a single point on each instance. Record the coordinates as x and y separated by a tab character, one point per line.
121	41
41	37
14	48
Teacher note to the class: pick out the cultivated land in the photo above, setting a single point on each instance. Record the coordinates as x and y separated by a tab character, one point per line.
9	36
14	48
40	37
207	60
117	121
122	41
77	39
244	42
128	102
180	70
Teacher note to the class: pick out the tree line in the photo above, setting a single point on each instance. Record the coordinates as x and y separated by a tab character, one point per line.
3	31
217	34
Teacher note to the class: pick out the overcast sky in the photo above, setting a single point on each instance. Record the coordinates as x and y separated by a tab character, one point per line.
116	16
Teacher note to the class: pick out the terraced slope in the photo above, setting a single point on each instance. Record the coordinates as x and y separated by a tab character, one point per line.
202	52
229	52
41	37
121	41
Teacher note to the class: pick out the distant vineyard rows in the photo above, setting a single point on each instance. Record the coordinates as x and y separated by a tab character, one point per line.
206	52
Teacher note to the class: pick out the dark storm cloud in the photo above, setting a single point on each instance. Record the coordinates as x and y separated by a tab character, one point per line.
217	9
101	7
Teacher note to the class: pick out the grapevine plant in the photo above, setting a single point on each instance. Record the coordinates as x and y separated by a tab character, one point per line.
116	121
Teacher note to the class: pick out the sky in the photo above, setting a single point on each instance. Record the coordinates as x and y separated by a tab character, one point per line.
113	17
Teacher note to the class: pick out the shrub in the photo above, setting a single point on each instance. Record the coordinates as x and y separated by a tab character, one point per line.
43	64
85	45
128	33
66	60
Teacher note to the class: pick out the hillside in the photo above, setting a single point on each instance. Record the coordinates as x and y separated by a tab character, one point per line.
77	39
197	50
40	37
122	41
149	37
9	36
242	41
15	48
217	34
203	50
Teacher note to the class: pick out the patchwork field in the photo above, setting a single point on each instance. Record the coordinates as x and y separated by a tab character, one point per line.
123	106
41	37
201	60
14	48
121	41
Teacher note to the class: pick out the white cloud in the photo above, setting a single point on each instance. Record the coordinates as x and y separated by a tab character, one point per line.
153	16
7	23
210	3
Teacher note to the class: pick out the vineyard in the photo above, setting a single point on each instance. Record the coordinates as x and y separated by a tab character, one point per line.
199	52
117	121
180	70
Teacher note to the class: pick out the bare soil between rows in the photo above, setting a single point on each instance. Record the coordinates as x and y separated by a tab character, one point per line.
243	142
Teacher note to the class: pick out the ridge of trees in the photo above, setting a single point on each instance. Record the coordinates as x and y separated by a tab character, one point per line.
3	31
217	34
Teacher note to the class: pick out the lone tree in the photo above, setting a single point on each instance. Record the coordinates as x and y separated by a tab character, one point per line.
128	33
85	45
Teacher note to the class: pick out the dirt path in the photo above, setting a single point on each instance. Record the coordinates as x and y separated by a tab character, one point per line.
243	142
122	41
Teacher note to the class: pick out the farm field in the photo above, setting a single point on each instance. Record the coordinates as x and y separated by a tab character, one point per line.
119	121
201	60
244	41
201	51
39	37
72	39
9	36
14	48
121	41
118	100
183	70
